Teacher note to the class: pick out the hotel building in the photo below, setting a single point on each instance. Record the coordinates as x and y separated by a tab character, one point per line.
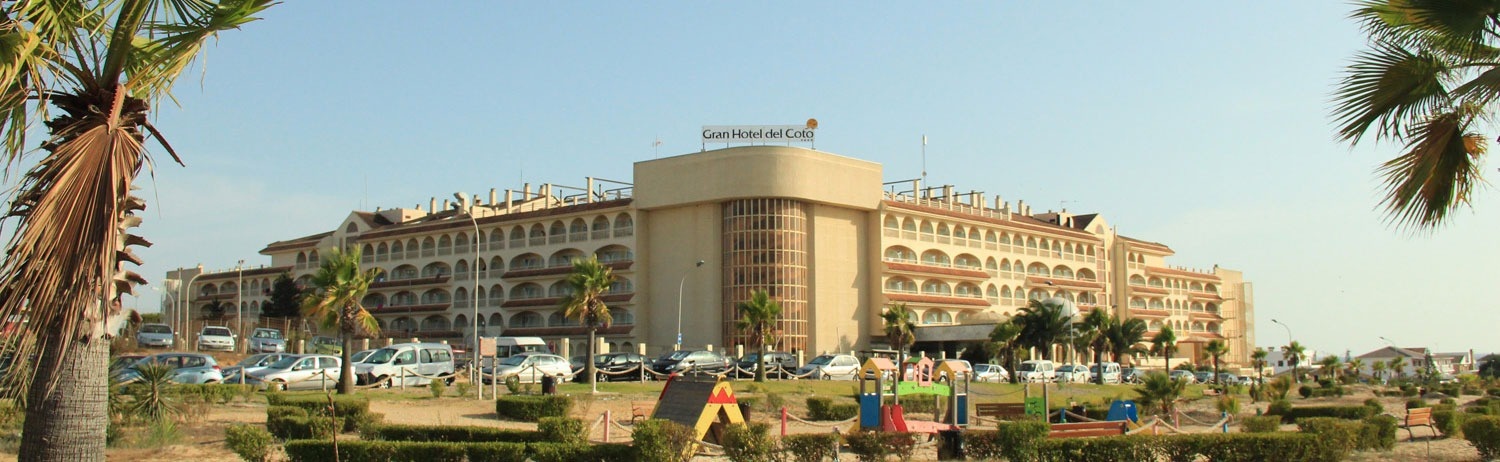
829	240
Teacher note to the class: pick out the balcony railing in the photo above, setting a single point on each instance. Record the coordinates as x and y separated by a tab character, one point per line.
626	231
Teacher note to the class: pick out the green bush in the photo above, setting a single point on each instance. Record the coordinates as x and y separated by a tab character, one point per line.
498	452
1305	391
1343	434
1020	440
812	447
250	442
366	423
1448	422
1379	433
563	430
276	412
823	408
1261	424
212	393
1448	401
312	427
1415	403
1374	405
455	434
917	404
749	443
462	389
1107	449
1279	407
1343	412
1484	434
411	451
1246	447
437	387
874	446
343	405
663	440
529	408
1493	392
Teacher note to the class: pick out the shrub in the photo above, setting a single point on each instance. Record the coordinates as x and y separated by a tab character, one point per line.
1228	404
868	446
212	393
1415	403
563	430
457	434
1448	401
749	443
1343	412
343	405
823	408
982	445
533	408
1261	424
1379	433
774	402
1019	440
250	442
663	440
1305	391
1279	407
501	452
1374	405
437	387
462	389
1493	392
1343	434
358	451
812	447
1448	422
366	423
1107	449
276	412
916	404
1484	434
513	385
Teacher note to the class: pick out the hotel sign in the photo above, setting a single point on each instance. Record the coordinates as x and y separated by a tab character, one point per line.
757	133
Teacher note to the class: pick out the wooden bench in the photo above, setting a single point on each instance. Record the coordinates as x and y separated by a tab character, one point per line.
1087	429
641	410
1418	417
1001	411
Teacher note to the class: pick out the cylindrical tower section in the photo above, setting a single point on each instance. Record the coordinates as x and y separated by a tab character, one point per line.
765	248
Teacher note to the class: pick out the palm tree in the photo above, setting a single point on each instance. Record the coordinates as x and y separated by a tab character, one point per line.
337	289
1354	366
1377	369
1005	338
1095	328
1042	323
759	316
899	332
585	302
1258	360
1159	388
1426	82
100	64
1165	344
1294	353
1330	366
1216	349
1397	365
1125	337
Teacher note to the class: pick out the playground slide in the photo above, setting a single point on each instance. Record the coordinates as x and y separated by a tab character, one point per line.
898	418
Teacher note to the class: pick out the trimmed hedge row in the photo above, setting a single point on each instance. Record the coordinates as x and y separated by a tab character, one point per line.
1377	432
1028	441
343	405
823	408
414	451
1341	412
810	447
532	408
1484	434
453	434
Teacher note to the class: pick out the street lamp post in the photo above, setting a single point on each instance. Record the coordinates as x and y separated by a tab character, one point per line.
1283	325
680	284
473	268
186	306
239	304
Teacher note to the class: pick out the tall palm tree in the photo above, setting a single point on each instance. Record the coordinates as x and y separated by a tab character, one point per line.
1377	369
1095	327
1258	360
1427	83
99	64
758	316
1158	388
335	295
1125	338
1330	366
1355	366
585	302
1216	349
899	332
1294	354
1005	337
1042	323
1165	344
1397	365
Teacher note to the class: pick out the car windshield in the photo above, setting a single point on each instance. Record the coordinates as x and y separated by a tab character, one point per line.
678	355
1027	367
271	334
513	361
360	357
821	360
752	357
155	329
218	331
124	361
253	360
381	356
284	363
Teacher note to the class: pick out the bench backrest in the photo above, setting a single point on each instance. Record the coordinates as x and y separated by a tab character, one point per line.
999	409
1086	429
1419	416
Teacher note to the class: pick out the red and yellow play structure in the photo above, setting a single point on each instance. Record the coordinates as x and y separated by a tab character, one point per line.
877	381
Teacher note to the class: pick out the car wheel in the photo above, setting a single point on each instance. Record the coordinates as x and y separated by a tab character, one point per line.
449	380
277	385
600	377
385	382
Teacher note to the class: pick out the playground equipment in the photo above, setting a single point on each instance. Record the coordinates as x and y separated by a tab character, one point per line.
878	379
706	406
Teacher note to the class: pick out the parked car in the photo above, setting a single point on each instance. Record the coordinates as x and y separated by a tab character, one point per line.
529	368
326	346
1227	377
1204	376
119	362
778	364
831	367
191	368
359	357
154	336
265	340
1183	375
1131	375
298	372
690	360
1246	380
990	373
216	338
1037	370
609	366
1111	372
409	360
1072	373
251	364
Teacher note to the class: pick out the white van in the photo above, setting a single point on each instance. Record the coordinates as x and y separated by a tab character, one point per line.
1110	371
506	347
417	360
1037	370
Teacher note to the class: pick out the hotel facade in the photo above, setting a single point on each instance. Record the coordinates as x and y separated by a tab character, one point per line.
691	236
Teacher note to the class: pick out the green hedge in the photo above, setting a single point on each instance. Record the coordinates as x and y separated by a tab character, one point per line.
208	392
1484	434
532	408
563	430
811	447
454	434
823	408
1261	424
344	405
1027	441
874	446
982	445
1248	447
1379	433
412	451
1020	439
1448	422
1130	448
292	427
1341	412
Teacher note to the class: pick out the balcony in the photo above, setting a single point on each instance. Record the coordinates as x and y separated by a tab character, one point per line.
1037	281
619	265
566	331
935	269
935	299
441	279
395	309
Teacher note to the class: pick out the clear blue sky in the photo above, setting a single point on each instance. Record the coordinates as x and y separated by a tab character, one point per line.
1202	125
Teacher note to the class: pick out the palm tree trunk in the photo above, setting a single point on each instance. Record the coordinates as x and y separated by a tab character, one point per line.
1218	380
1099	358
589	367
760	364
346	370
68	422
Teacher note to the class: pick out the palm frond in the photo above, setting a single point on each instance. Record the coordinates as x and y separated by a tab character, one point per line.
1436	174
1386	89
158	61
1457	28
587	284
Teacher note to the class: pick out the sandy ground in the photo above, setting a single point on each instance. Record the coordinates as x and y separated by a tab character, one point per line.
204	437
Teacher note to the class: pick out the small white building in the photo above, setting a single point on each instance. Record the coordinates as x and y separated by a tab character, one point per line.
1415	360
1276	359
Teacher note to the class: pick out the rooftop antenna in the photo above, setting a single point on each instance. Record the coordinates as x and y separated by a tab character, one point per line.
924	158
656	147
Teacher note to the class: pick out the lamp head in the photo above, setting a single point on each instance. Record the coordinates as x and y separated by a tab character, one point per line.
700	263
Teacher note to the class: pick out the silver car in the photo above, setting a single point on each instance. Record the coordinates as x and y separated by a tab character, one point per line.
530	368
154	336
215	338
191	368
250	365
990	373
298	372
831	367
265	340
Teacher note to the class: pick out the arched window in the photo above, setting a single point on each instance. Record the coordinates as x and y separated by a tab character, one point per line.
1136	279
526	319
1037	294
1031	243
435	296
927	227
901	254
396	249
1005	238
989	236
908	224
621	316
578	229
624	225
621	286
526	261
891	222
435	323
959	233
1005	292
966	261
1005	265
496	320
1211	288
989	264
428	245
525	291
900	284
1154	282
1137	303
615	253
936	287
1037	269
937	317
1062	272
942	230
967	289
935	257
991	292
445	242
1085	274
564	258
559	289
1156	304
435	269
404	272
